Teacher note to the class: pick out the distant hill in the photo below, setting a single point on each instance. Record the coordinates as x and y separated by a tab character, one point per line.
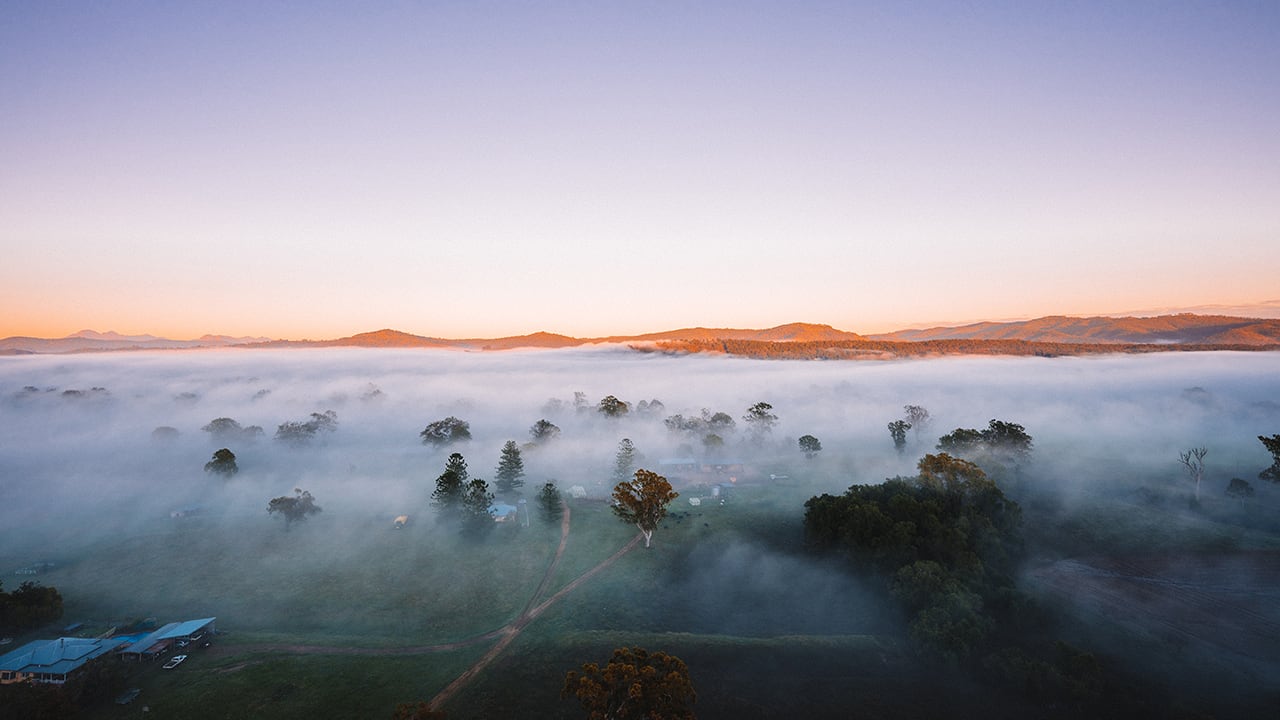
1055	335
1182	328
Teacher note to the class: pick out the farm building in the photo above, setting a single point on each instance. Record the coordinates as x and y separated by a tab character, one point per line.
154	644
52	661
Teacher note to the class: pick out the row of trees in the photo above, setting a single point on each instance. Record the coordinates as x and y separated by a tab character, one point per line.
294	433
30	606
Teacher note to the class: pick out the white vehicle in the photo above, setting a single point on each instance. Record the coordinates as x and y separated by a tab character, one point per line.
174	662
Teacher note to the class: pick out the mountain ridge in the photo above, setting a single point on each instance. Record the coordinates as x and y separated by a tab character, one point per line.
1177	329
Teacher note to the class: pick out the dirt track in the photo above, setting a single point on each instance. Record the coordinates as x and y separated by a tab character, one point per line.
505	634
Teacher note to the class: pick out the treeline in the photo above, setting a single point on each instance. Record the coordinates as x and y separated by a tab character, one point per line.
945	546
880	349
30	606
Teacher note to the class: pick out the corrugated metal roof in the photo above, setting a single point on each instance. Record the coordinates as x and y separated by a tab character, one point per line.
59	656
183	629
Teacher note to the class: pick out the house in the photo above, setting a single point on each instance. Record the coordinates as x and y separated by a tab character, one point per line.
52	661
503	512
155	643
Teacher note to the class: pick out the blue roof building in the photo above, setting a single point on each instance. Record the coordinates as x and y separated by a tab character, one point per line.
159	640
52	661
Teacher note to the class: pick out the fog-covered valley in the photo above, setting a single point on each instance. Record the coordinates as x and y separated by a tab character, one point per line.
93	480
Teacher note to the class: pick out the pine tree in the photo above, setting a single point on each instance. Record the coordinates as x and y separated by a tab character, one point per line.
625	462
450	485
510	468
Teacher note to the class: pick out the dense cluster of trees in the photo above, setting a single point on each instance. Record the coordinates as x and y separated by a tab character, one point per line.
227	430
30	606
1272	444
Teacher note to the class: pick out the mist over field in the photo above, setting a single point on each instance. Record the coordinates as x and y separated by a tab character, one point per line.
84	472
72	453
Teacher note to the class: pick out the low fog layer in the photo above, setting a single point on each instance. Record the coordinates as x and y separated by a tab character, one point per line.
81	454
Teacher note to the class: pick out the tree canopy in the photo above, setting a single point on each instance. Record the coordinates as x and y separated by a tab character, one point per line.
294	508
947	540
760	419
634	685
898	431
544	431
612	407
223	463
302	432
445	432
1272	444
642	501
32	605
809	445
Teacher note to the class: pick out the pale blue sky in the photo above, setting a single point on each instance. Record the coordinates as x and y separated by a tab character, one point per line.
481	169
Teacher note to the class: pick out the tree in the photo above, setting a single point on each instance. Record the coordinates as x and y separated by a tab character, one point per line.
961	441
294	509
810	445
445	432
1272	444
223	463
447	496
898	431
634	685
612	407
916	416
543	431
224	429
713	444
642	501
625	461
718	422
476	501
760	420
301	433
1193	460
549	502
510	468
1240	489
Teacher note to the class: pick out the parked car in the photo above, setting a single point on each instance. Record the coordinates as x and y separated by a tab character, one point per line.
174	662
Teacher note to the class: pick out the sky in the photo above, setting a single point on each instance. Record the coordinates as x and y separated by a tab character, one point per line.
480	169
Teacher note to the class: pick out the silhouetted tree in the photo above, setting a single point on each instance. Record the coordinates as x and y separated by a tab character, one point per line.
1193	461
543	431
223	463
225	429
612	407
510	470
760	420
445	432
295	508
1272	444
447	497
898	431
634	685
1240	490
642	501
301	433
476	501
810	445
549	502
916	416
